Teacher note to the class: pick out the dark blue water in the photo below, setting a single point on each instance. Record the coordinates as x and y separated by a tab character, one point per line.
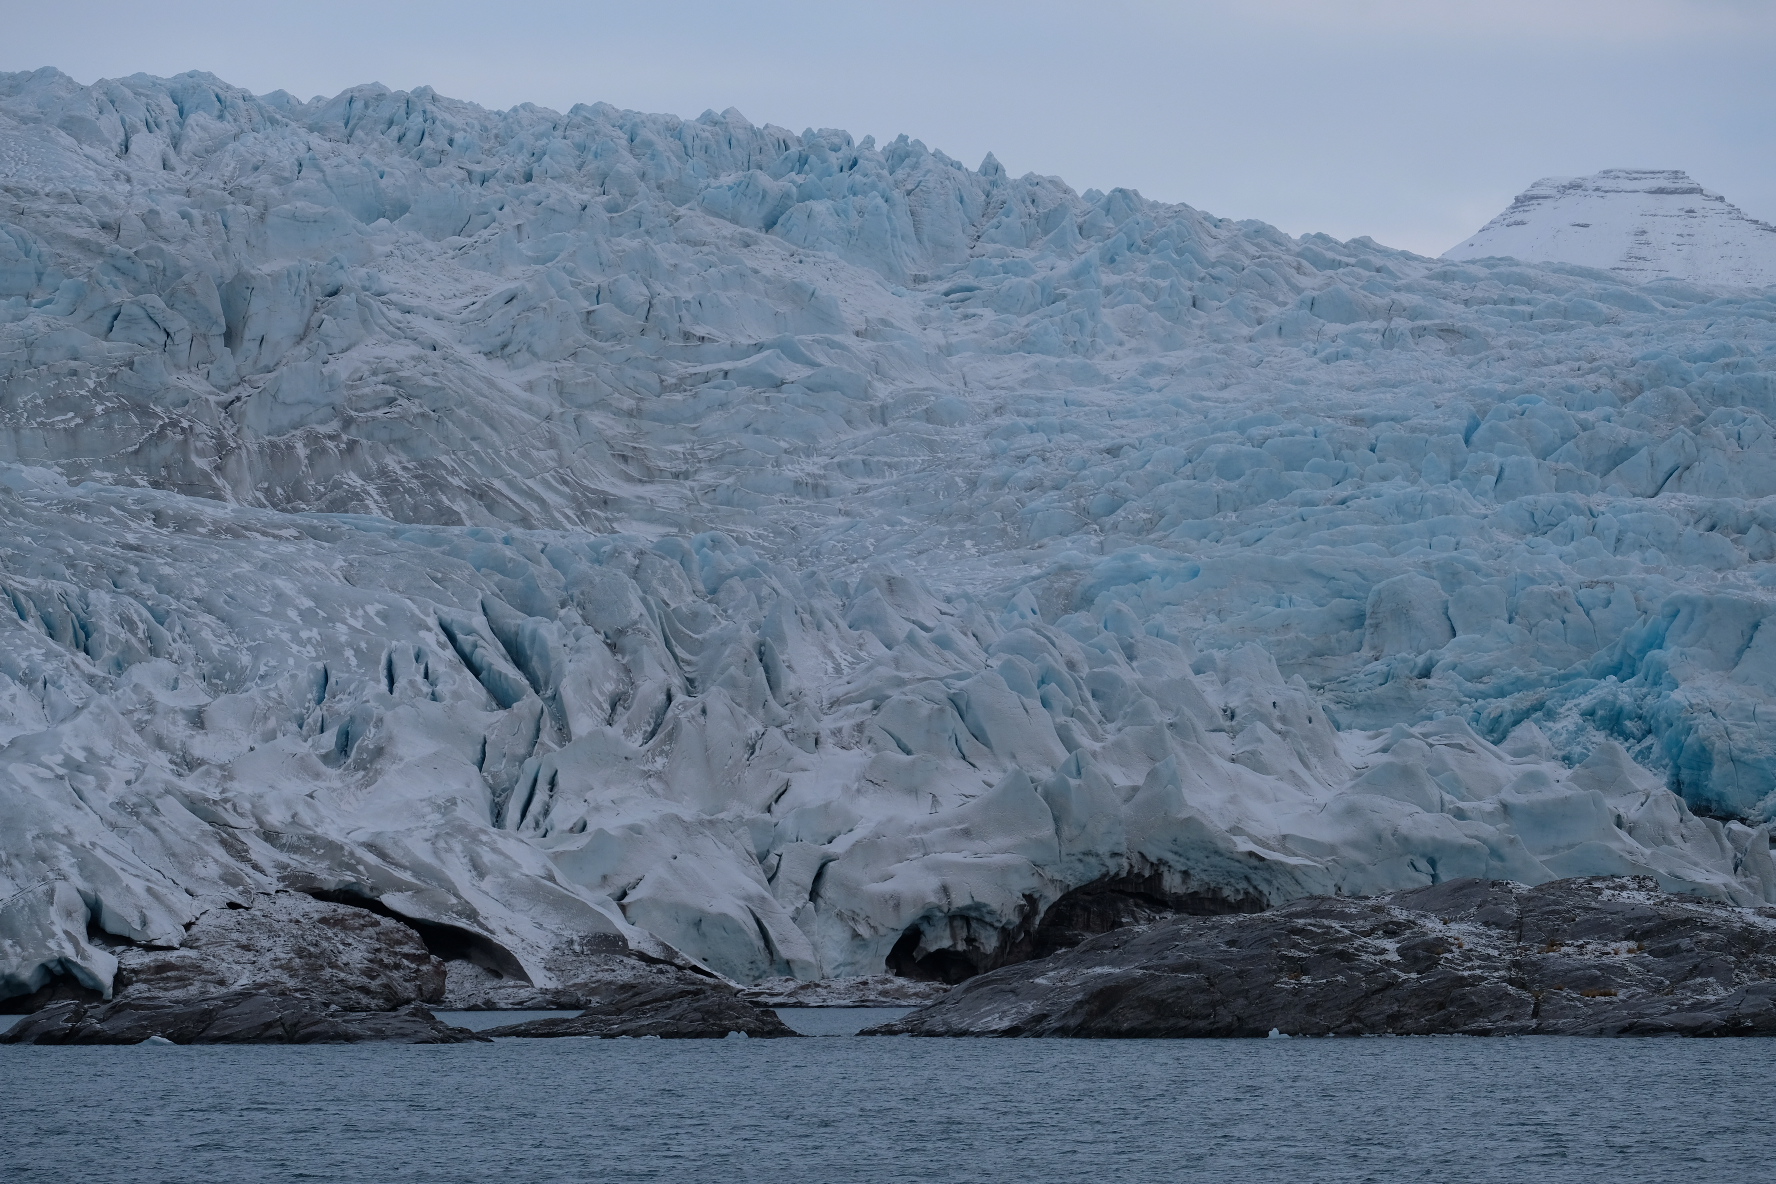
809	1021
863	1109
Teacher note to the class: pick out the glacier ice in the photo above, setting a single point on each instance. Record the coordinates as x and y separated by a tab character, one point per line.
813	555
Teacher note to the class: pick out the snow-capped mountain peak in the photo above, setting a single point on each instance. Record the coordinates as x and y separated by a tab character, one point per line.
1641	224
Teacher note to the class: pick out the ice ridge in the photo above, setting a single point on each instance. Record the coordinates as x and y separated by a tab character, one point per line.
819	557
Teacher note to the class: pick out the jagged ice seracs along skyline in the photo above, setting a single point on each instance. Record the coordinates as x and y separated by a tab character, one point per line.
819	556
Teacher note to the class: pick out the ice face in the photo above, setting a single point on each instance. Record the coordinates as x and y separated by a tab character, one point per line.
567	527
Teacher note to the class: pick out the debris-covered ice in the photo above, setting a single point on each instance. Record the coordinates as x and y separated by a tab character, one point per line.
570	531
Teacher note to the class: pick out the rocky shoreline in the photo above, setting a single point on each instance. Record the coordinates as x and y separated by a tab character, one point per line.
241	1017
684	1012
1601	956
290	969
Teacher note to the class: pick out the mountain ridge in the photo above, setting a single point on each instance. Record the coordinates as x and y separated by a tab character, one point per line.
1638	223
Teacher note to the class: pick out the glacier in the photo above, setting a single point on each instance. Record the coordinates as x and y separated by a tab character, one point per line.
816	558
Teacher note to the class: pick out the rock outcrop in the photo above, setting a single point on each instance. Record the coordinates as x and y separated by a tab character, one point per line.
287	970
880	990
239	1017
577	979
340	957
622	992
1593	957
672	1011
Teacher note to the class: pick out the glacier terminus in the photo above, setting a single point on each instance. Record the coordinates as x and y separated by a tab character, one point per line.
807	558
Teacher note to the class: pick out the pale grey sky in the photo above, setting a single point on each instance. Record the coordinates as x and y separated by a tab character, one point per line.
1413	121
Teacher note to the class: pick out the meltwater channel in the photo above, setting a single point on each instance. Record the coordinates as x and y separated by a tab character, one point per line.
845	1108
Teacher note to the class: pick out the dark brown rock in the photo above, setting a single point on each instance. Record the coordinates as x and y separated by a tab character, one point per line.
1598	956
964	946
882	990
242	1017
683	1010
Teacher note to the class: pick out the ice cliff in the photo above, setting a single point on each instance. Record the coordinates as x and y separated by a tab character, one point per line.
1640	224
568	530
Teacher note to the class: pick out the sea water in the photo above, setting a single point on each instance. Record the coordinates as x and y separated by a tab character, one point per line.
848	1108
808	1021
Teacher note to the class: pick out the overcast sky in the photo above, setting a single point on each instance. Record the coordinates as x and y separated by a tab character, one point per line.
1414	121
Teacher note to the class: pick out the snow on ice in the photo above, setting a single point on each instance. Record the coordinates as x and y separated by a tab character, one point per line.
819	556
1641	224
